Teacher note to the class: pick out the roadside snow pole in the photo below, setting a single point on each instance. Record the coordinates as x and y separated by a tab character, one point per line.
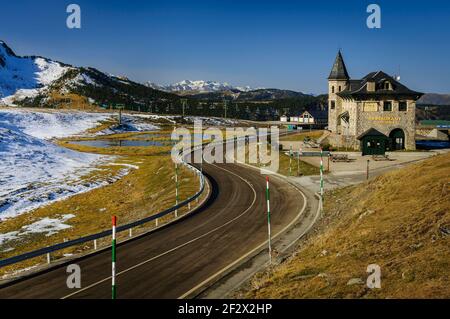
268	219
321	179
176	188
298	161
114	224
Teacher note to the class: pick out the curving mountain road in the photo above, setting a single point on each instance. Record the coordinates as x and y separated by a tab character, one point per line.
171	261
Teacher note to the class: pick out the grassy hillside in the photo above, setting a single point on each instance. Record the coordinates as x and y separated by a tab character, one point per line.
147	189
400	221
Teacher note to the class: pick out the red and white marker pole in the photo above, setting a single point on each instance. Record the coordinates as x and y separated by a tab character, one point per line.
176	188
113	276
268	218
321	180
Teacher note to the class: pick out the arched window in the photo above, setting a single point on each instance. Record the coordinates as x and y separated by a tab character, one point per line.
340	88
332	89
332	105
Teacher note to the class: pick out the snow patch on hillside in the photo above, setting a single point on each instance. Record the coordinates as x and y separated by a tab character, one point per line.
46	225
211	121
22	77
82	79
46	125
130	123
35	171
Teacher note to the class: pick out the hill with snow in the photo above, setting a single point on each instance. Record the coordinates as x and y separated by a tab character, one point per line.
35	81
34	170
22	77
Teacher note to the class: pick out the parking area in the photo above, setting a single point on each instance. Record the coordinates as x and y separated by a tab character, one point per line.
343	174
358	164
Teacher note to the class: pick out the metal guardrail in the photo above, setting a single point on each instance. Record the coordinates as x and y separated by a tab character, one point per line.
93	237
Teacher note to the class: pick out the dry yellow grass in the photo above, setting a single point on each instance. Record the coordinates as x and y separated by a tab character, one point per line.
120	150
291	167
141	193
400	221
70	101
305	169
302	135
103	125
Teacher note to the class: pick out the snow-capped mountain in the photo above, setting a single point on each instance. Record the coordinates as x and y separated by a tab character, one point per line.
199	86
35	80
22	77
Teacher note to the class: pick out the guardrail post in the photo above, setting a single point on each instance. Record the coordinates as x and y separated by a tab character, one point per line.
131	232
95	244
156	222
48	258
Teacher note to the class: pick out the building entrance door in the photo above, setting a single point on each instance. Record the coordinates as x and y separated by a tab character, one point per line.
397	140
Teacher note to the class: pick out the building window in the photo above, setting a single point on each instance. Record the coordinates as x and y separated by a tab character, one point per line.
340	88
387	106
370	106
403	106
332	105
332	89
371	86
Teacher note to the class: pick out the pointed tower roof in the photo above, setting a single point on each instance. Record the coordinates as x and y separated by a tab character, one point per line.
339	71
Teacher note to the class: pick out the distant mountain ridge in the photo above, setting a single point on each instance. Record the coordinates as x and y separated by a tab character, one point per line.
435	99
212	90
198	86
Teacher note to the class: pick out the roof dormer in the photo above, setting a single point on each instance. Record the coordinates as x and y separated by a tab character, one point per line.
387	85
371	87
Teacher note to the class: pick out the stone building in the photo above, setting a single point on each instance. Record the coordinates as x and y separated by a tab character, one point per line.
374	114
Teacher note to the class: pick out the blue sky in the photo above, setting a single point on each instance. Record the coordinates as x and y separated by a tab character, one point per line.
282	44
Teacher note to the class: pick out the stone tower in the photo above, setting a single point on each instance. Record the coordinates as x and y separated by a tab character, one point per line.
337	81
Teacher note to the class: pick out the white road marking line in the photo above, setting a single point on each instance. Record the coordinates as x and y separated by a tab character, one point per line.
178	247
185	295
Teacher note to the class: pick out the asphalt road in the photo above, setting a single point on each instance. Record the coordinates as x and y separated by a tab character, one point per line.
174	259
